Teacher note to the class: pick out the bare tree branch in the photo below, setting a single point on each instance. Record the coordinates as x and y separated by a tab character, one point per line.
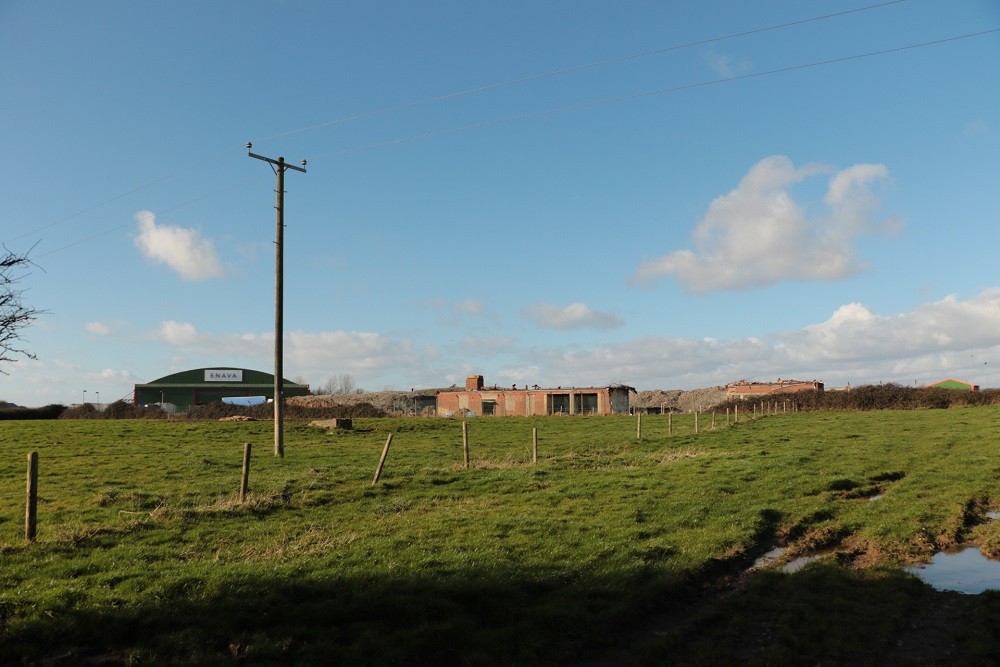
15	315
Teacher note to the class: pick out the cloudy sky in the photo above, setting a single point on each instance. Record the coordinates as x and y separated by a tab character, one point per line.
665	194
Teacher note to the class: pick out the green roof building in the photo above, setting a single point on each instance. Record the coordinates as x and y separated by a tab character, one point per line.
952	383
210	385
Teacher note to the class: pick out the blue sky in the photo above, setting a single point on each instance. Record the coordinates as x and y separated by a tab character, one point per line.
665	194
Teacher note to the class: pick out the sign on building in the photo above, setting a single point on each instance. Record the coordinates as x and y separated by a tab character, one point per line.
223	375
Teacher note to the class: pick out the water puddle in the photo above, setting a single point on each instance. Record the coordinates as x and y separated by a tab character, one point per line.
791	566
771	556
965	571
796	564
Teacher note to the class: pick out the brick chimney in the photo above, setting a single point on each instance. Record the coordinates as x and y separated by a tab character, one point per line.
473	383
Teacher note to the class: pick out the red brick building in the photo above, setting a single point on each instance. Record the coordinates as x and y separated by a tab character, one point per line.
499	401
747	389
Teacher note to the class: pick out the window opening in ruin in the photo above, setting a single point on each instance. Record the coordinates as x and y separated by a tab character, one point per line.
585	404
558	404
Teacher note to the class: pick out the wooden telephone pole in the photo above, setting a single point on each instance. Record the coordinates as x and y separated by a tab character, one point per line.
279	166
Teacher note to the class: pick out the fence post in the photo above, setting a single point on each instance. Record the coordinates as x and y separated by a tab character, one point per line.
534	444
736	414
670	423
381	461
638	425
245	477
31	499
713	420
465	443
696	422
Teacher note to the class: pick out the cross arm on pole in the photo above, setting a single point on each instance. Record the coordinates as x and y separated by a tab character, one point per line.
280	162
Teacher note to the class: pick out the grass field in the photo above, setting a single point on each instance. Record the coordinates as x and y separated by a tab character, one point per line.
612	549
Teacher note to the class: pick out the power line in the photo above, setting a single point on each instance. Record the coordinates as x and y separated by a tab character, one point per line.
650	93
575	68
231	186
573	107
121	196
461	93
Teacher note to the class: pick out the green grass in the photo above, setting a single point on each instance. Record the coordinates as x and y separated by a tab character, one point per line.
633	549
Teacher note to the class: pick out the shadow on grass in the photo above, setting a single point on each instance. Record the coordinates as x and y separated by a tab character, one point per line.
827	614
832	614
488	618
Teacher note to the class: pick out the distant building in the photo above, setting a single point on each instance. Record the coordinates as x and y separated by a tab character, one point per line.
210	385
499	401
952	383
746	389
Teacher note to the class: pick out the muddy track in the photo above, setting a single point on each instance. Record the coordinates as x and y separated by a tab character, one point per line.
932	627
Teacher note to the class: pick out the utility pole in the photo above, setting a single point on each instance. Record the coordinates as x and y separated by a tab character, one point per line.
278	166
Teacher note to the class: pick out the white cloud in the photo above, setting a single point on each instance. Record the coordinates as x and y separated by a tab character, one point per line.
469	307
121	375
320	354
573	316
523	375
358	352
758	234
459	312
98	328
183	250
728	66
854	333
655	361
177	333
854	345
487	346
976	129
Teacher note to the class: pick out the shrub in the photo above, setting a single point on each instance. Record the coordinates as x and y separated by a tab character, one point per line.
53	411
890	396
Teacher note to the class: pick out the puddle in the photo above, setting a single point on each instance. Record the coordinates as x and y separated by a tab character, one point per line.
771	556
797	564
965	571
791	566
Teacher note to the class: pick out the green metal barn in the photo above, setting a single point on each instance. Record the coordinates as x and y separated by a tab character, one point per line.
952	383
210	385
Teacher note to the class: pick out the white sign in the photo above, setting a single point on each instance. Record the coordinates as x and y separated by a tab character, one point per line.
223	375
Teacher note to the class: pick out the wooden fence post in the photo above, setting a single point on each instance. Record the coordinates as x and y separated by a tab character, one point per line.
465	443
534	444
696	421
245	477
31	499
670	423
638	425
736	414
381	461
